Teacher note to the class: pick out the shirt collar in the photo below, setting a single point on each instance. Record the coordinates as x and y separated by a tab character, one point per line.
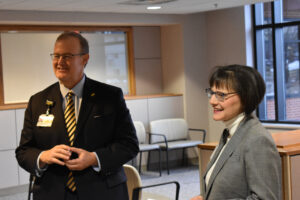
77	89
233	124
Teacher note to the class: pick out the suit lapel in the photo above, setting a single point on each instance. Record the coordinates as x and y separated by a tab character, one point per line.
227	152
86	105
57	110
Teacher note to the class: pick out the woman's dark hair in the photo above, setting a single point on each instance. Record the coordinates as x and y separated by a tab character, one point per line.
83	42
244	80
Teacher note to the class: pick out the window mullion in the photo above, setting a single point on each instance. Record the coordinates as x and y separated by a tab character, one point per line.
280	74
278	42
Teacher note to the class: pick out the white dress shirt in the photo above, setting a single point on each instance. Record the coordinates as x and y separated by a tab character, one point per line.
231	125
77	97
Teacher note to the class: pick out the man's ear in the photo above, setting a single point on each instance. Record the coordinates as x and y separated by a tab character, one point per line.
85	59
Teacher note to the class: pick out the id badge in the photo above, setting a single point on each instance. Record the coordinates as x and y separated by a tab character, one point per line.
45	120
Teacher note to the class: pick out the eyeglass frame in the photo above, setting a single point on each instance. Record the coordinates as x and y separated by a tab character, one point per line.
68	56
220	96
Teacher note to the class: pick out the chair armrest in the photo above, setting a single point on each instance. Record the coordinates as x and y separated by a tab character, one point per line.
201	130
137	190
160	135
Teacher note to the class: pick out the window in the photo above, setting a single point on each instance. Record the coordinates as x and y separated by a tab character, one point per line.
27	69
277	42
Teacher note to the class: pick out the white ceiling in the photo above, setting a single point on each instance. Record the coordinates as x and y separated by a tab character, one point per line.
116	6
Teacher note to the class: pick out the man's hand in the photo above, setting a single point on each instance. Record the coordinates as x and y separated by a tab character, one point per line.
85	159
197	198
57	155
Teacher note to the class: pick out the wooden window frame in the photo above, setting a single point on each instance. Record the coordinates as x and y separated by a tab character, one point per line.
24	28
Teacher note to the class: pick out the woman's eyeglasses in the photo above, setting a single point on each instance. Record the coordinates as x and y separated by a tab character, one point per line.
219	95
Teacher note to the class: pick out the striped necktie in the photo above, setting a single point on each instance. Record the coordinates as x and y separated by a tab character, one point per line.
70	121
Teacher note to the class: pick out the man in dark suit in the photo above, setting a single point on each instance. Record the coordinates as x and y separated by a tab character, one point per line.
90	154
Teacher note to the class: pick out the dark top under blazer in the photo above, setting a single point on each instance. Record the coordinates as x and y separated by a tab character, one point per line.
104	126
248	168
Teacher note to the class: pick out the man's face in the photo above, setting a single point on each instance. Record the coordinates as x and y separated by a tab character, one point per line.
69	70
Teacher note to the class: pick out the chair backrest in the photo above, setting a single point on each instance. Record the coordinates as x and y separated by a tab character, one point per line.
133	179
173	129
140	131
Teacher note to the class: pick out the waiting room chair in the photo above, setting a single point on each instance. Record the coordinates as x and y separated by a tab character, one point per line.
144	145
31	181
173	135
134	184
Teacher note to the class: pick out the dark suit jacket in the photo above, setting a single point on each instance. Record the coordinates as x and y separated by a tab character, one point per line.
248	168
104	126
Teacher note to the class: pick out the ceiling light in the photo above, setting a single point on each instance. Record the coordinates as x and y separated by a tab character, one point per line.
145	2
153	7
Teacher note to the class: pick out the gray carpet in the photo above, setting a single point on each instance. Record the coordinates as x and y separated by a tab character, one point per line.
188	177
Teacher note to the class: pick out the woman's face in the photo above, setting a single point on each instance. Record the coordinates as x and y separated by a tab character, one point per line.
227	109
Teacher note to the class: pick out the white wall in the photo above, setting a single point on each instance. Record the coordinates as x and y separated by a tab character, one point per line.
11	124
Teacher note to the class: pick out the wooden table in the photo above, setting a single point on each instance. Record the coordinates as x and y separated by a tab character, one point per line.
288	145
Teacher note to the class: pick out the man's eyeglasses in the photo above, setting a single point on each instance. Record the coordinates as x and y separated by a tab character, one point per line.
65	57
219	95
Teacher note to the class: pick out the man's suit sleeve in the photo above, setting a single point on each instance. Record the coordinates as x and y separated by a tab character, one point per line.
263	169
124	146
27	152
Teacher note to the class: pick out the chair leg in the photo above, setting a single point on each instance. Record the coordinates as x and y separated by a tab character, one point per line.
159	161
148	160
183	157
167	154
134	161
140	165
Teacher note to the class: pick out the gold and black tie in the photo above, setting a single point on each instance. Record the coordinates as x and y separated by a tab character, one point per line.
70	121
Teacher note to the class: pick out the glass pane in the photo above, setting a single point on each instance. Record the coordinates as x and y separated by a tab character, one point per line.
263	13
108	58
266	68
292	73
291	10
267	13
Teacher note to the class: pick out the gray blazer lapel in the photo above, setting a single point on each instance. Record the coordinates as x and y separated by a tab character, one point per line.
227	152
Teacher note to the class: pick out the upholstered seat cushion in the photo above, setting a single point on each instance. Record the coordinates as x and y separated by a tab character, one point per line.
173	129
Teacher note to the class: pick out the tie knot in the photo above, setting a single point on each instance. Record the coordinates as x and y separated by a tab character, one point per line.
225	135
70	95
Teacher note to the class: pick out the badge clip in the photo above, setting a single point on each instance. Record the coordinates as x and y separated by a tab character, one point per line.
49	104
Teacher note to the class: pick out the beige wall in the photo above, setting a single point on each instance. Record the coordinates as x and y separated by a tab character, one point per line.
227	45
172	59
195	70
147	60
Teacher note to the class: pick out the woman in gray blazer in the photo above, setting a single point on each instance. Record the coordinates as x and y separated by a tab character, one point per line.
246	163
